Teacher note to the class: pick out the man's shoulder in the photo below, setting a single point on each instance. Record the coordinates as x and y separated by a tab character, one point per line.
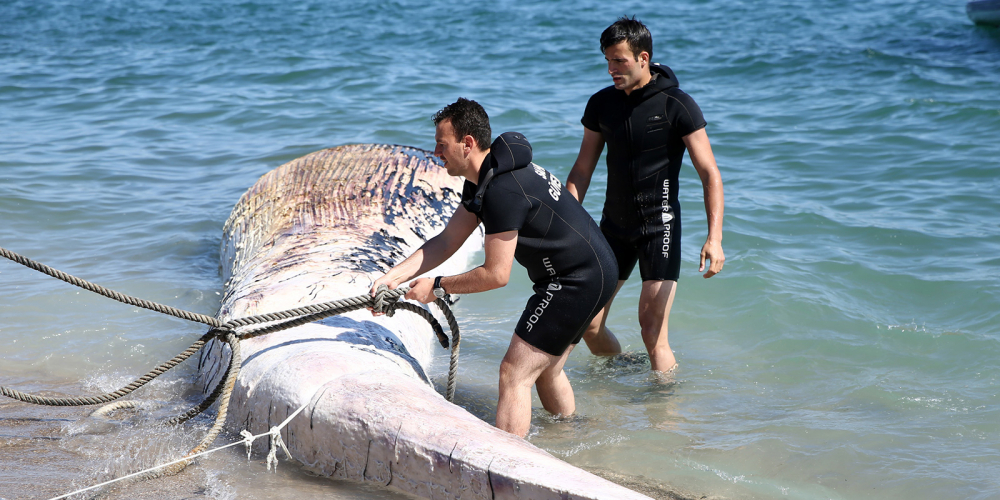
529	182
681	109
468	191
505	186
610	89
602	106
607	93
675	94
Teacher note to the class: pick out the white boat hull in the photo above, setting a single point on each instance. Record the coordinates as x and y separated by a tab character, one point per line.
984	11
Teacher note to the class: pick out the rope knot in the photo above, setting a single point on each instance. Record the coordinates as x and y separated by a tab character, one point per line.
223	330
276	441
384	302
248	440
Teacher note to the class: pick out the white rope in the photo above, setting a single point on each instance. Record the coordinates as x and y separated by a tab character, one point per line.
275	433
248	439
154	468
272	454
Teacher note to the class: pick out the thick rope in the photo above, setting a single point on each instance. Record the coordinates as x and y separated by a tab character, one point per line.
111	396
100	290
382	302
385	301
455	339
235	363
206	403
103	411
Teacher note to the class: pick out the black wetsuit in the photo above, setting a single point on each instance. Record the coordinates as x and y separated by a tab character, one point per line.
567	258
644	132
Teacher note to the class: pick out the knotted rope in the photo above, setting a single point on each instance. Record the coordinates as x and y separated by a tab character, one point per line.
385	301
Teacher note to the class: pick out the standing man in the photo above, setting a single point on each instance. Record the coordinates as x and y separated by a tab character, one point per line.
528	216
647	123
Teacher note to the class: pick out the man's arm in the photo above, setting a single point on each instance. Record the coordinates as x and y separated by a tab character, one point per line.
494	273
703	159
433	252
586	161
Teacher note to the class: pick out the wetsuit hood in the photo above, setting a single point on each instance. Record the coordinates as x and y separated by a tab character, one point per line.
664	79
510	151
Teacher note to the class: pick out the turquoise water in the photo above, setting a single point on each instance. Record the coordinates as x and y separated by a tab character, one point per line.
849	349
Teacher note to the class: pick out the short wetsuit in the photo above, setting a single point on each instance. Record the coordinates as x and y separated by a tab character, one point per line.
644	132
567	258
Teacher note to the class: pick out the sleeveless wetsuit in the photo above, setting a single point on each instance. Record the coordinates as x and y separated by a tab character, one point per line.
644	132
567	258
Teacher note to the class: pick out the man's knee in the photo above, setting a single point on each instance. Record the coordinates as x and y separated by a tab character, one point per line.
508	372
548	378
651	317
516	372
593	329
654	303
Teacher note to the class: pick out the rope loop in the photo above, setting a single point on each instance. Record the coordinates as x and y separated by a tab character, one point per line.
384	302
456	338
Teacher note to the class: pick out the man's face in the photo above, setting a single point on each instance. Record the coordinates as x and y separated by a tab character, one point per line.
626	72
449	148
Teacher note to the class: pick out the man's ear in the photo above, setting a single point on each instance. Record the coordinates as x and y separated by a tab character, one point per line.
469	142
644	56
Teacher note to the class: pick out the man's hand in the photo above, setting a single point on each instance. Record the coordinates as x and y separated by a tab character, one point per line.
712	251
384	280
422	290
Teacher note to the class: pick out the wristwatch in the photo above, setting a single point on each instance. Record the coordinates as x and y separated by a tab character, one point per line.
438	290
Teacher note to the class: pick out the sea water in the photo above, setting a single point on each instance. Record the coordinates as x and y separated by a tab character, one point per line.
850	347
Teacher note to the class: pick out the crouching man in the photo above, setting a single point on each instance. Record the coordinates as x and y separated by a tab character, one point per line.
529	216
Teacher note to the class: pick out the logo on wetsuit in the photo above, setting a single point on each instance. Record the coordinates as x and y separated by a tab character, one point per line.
555	187
554	286
667	217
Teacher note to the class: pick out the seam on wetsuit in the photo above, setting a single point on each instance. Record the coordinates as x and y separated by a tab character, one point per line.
686	110
526	197
541	205
589	245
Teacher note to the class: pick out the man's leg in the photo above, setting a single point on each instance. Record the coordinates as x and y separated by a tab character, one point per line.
655	301
599	339
554	389
520	368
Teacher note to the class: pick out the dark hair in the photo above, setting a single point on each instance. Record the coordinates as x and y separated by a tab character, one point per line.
468	118
628	30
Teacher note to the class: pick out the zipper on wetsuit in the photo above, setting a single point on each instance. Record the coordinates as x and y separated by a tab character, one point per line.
631	169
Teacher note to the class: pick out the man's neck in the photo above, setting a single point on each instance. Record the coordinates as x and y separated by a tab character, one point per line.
475	165
648	77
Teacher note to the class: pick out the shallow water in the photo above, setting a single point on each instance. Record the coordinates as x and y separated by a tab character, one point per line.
849	349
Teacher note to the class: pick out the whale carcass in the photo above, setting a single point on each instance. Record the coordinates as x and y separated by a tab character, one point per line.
322	228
